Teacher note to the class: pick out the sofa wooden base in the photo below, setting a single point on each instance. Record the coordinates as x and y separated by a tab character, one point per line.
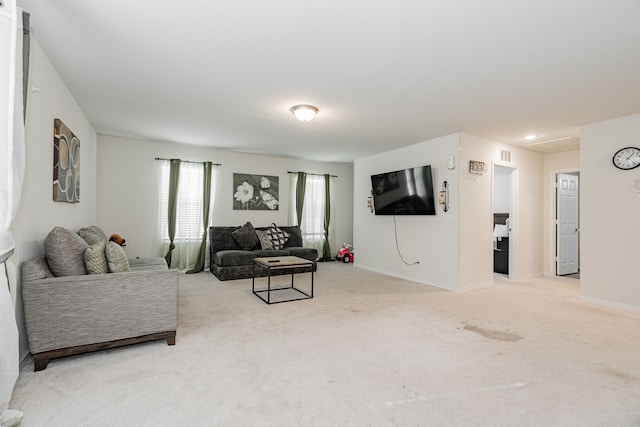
41	360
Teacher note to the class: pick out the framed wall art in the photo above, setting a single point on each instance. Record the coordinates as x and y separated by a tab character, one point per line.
66	164
255	192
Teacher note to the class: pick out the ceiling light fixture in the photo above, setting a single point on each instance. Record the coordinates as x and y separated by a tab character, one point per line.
530	137
304	113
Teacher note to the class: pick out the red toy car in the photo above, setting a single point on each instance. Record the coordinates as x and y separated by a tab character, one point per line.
345	254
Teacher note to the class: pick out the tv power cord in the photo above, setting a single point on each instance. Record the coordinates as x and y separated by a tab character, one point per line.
395	229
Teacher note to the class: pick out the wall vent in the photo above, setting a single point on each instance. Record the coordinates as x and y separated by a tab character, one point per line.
505	155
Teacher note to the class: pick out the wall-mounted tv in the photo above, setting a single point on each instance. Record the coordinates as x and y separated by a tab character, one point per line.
404	192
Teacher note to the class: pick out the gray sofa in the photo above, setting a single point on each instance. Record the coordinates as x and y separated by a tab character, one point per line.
78	313
230	261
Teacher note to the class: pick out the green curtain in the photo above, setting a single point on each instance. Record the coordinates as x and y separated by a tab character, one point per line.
206	199
326	249
26	49
174	179
300	189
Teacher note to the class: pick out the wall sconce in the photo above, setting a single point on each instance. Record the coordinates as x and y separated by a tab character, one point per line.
370	203
443	198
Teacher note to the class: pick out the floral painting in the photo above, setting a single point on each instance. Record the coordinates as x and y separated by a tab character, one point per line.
255	192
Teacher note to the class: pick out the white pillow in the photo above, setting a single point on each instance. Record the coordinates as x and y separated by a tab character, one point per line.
95	258
116	258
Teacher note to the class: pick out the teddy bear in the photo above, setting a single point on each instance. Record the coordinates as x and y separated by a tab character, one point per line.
119	240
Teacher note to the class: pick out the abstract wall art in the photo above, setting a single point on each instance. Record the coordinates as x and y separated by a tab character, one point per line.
66	164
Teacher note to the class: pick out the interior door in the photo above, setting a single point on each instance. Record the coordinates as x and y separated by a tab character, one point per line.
567	220
504	195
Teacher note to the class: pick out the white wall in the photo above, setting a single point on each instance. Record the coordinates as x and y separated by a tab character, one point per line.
128	188
564	161
432	240
38	213
476	213
609	208
476	218
455	249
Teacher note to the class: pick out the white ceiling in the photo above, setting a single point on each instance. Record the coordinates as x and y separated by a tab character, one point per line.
384	74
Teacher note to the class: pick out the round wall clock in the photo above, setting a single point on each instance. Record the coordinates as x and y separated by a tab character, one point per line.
627	158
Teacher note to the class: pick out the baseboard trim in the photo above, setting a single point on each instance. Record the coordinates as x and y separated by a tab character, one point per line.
476	286
410	279
609	303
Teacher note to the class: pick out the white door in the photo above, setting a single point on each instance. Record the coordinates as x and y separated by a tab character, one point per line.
567	228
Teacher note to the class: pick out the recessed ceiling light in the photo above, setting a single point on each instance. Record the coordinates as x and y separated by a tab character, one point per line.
530	137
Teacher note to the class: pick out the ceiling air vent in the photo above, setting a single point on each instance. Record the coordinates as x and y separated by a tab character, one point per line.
555	145
505	155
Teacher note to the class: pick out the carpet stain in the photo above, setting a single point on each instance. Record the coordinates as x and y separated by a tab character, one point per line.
626	377
493	335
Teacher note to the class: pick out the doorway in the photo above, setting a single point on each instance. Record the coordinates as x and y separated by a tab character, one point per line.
504	194
567	224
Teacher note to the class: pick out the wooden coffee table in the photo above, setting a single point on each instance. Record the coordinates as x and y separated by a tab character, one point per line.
295	265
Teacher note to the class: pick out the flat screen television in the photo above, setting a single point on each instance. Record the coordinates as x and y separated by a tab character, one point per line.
404	192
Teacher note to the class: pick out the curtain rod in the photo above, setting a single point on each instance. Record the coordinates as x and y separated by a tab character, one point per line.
188	161
316	174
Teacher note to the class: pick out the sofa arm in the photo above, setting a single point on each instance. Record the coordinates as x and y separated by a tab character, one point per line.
70	311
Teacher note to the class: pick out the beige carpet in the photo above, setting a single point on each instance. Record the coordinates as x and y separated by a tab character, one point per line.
368	350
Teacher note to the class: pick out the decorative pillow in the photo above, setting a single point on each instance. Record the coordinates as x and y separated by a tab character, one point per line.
116	258
92	234
278	236
246	236
36	268
95	258
65	252
265	239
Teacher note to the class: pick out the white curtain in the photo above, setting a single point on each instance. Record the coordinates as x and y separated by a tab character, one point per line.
312	225
11	173
188	234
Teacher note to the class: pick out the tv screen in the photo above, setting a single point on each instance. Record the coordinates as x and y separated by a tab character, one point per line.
404	192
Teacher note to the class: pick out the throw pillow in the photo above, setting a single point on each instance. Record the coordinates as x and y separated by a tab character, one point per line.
116	258
265	239
95	258
278	236
246	236
92	234
65	252
36	268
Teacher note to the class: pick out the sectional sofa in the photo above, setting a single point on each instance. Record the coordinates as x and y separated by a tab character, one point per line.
233	249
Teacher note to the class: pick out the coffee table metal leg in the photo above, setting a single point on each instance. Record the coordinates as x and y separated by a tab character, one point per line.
268	285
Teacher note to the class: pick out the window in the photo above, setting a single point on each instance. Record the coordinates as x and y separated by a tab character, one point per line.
189	208
313	211
312	226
